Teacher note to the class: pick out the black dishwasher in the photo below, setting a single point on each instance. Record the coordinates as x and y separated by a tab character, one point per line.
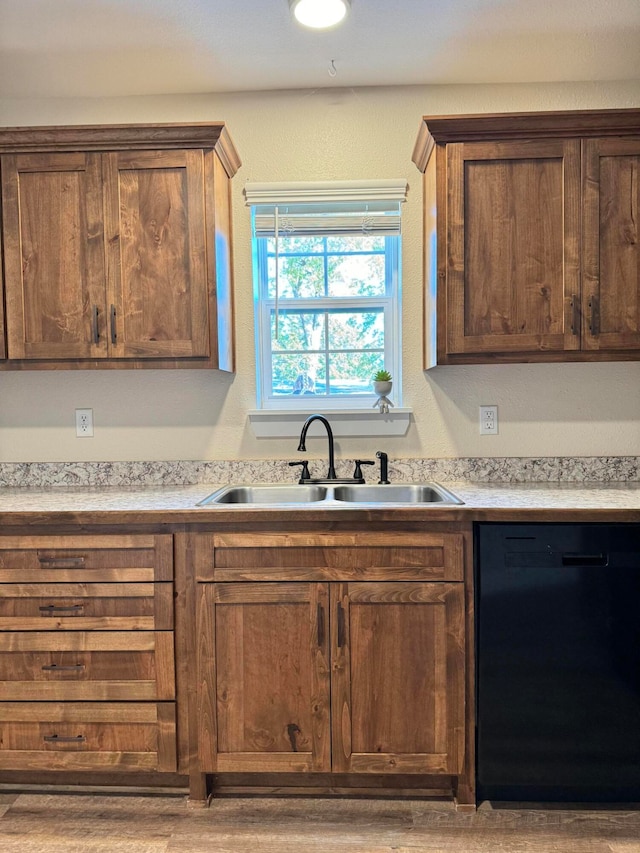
558	662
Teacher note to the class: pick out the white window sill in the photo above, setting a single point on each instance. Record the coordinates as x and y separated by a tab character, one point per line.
344	422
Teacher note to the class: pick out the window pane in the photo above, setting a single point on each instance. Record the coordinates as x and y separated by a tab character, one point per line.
303	245
356	330
301	277
296	375
298	330
356	275
350	373
356	243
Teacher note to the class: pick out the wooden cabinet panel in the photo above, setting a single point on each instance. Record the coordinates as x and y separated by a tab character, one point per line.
88	558
157	276
325	556
3	338
398	663
264	677
72	666
54	255
513	260
124	736
81	607
611	244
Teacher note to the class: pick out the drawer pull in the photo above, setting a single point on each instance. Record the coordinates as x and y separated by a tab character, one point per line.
54	667
50	609
341	626
52	562
95	313
320	617
64	739
114	336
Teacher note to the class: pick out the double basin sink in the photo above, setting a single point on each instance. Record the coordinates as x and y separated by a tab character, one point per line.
330	495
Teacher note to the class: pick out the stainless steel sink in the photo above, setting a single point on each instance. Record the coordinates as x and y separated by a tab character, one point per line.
287	493
401	493
276	494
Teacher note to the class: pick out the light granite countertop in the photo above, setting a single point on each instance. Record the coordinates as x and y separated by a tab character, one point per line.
174	499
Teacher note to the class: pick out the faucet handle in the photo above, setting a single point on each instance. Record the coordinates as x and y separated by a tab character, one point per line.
357	474
305	475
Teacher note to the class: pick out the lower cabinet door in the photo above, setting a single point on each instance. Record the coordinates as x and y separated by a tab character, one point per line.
397	690
117	736
263	677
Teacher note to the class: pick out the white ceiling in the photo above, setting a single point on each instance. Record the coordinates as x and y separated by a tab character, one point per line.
101	48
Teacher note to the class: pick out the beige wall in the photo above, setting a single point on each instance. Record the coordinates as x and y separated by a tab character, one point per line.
545	410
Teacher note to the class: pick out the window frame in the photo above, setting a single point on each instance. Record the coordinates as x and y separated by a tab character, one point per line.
390	303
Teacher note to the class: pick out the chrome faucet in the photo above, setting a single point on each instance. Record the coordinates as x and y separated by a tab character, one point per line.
331	473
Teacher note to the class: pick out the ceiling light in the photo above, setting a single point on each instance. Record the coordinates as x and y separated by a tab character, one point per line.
319	14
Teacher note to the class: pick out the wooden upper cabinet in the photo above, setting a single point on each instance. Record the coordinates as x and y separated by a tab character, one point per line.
530	242
117	246
611	244
54	255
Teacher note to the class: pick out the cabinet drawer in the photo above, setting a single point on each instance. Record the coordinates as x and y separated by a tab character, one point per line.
341	556
86	606
88	736
74	666
86	558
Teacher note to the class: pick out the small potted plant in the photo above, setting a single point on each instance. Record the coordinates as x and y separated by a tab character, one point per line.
382	383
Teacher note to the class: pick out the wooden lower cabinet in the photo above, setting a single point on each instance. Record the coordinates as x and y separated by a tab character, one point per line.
87	664
317	676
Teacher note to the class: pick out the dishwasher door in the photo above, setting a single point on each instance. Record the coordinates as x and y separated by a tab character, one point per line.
558	662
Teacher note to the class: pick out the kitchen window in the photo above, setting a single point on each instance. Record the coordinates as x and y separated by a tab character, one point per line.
327	292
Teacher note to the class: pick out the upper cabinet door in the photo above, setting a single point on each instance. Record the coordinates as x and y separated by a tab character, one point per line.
53	255
512	265
157	277
611	244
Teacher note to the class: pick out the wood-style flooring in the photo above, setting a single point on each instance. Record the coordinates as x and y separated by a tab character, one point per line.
98	823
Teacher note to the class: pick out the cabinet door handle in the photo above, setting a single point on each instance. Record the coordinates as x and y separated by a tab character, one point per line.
61	562
50	609
320	619
94	324
594	316
114	336
341	626
64	739
575	314
54	667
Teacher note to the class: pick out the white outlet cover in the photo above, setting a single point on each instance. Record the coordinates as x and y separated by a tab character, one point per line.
84	423
488	420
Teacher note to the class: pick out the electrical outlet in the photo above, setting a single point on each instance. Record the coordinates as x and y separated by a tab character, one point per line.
84	423
488	420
